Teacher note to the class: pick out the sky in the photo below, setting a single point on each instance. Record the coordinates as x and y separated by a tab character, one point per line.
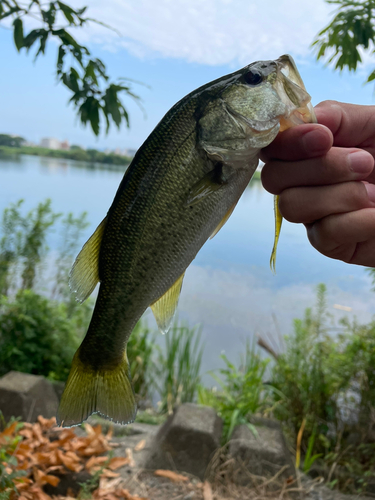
173	47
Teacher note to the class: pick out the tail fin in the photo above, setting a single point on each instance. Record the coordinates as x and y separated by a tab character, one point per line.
108	392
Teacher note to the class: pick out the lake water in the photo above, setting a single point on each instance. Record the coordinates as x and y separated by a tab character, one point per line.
229	288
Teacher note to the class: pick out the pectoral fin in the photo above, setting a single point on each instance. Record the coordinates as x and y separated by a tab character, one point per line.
84	274
209	183
223	220
165	307
278	222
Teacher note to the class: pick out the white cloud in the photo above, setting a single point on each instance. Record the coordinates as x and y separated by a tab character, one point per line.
209	31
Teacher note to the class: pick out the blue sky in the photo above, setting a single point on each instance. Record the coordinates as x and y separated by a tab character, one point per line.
173	47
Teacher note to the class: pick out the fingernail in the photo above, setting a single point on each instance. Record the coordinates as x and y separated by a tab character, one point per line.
370	188
361	162
316	142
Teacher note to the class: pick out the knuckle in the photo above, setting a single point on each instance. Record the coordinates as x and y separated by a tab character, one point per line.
327	103
322	236
358	195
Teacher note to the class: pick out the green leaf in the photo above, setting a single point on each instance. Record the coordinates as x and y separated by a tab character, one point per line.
49	15
68	12
60	59
89	112
71	79
12	10
31	38
42	46
18	33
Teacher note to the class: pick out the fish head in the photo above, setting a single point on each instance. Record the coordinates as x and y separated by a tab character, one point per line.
251	107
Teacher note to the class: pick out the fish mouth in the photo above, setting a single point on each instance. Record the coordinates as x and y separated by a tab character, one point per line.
292	91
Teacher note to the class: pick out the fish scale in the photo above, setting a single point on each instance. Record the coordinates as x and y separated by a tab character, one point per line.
180	189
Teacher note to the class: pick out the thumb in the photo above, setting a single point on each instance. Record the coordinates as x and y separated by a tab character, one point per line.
352	125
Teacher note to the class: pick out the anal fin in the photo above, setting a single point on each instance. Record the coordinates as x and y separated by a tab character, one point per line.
84	274
165	307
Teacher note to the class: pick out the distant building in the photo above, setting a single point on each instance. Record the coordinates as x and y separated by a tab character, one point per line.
129	152
64	145
50	143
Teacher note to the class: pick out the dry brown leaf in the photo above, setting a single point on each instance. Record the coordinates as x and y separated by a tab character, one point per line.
68	462
47	423
140	445
207	491
95	461
109	434
41	458
125	494
73	456
57	468
27	433
117	462
129	455
50	479
109	474
109	484
9	430
173	476
24	450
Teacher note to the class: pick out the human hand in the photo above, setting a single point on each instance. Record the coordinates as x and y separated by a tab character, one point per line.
325	177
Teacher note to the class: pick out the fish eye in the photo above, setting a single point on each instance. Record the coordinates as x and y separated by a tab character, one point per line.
253	78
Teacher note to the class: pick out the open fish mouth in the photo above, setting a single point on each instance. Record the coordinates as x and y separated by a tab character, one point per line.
291	89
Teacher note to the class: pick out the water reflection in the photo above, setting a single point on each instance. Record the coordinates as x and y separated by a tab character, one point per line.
229	287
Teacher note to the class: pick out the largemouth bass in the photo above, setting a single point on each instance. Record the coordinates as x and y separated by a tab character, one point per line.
179	190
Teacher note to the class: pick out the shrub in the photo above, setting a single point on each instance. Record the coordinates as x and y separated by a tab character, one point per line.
140	349
177	369
37	336
242	391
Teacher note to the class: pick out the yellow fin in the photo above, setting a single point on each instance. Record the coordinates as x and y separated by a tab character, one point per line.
209	183
165	307
278	222
84	274
223	220
108	392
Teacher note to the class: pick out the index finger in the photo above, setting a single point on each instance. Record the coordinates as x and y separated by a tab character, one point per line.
299	143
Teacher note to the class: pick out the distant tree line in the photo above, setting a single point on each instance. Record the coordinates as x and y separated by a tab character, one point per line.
11	141
15	144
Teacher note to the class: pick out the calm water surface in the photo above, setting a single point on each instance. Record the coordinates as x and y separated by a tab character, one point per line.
229	287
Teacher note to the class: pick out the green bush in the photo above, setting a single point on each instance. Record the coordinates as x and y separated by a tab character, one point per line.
177	368
307	386
325	382
140	349
37	336
242	391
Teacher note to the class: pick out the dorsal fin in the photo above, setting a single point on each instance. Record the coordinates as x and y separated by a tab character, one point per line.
84	274
223	220
165	307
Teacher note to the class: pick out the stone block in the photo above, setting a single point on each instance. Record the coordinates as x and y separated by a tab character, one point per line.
27	396
263	452
187	441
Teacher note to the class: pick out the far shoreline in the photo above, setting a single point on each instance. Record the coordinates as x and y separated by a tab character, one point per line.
90	156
